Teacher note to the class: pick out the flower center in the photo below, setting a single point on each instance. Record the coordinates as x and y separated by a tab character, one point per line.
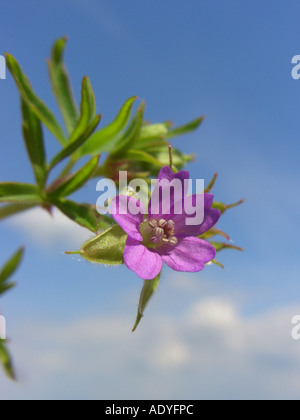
158	232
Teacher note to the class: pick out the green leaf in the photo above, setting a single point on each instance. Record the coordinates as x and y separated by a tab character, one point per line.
10	267
6	361
79	213
103	140
145	157
184	129
219	246
148	289
33	136
154	131
87	108
71	183
223	207
131	135
8	210
105	248
19	193
32	100
61	84
75	144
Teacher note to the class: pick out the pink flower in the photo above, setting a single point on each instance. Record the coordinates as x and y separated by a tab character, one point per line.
165	238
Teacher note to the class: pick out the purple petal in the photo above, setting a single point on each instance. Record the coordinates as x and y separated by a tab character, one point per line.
167	173
190	254
145	262
159	200
130	223
211	216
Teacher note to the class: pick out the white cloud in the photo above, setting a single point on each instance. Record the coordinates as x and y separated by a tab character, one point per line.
211	351
49	231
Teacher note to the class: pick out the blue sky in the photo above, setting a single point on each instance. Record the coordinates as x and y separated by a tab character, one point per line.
215	334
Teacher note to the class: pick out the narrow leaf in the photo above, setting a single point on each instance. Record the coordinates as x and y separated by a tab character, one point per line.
19	193
61	84
6	361
147	292
131	135
102	140
79	141
8	210
73	182
33	136
87	108
32	100
11	266
79	213
184	129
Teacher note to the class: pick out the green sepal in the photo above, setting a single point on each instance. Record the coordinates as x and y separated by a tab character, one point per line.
223	207
106	248
219	246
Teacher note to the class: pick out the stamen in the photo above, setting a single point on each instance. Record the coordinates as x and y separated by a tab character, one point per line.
158	232
173	240
163	232
152	223
162	223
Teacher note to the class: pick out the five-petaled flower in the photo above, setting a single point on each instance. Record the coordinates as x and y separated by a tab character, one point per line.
157	238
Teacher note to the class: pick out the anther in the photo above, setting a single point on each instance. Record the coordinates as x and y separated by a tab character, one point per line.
173	240
152	223
162	223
